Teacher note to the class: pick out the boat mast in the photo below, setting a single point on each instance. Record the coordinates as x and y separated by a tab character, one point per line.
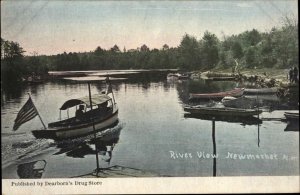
91	105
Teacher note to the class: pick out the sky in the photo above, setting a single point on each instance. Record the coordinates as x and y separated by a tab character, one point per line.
52	27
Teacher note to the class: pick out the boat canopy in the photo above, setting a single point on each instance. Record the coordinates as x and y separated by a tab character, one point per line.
96	100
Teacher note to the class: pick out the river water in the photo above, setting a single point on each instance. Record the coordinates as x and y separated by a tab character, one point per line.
153	134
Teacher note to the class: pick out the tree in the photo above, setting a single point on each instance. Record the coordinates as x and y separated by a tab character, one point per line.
165	47
268	57
2	48
251	57
286	45
189	53
144	48
12	61
237	50
250	38
115	48
98	51
209	50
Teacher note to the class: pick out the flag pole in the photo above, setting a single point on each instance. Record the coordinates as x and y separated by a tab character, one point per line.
109	85
37	112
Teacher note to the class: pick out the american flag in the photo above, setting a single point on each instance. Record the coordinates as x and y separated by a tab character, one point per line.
26	113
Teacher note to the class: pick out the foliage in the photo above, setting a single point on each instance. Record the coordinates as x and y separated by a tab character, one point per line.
251	49
12	63
209	50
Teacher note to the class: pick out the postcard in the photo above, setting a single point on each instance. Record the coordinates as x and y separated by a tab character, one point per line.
149	97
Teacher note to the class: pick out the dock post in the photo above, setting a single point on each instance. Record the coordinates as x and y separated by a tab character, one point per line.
91	105
214	147
258	139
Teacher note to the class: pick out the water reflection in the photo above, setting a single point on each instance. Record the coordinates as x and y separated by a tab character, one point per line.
31	170
292	126
183	91
12	92
79	148
154	127
205	86
214	148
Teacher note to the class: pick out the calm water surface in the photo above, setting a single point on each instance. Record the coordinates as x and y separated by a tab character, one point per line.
153	134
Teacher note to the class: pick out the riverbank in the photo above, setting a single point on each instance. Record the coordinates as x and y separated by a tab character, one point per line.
265	72
264	77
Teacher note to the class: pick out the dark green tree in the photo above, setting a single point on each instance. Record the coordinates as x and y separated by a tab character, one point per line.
115	48
12	62
189	53
209	50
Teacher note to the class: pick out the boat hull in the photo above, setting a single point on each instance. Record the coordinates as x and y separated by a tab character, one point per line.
251	120
73	132
242	102
291	116
222	78
261	91
222	111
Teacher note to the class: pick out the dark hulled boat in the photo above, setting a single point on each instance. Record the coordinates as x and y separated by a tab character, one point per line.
221	111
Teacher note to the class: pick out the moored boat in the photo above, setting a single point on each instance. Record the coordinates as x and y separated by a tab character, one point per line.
222	78
241	102
291	116
172	76
221	111
237	92
251	120
260	91
178	76
184	76
292	126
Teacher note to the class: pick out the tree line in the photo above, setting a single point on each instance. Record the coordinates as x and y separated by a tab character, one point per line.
277	48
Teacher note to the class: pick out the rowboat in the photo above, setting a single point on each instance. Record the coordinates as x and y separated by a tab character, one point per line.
237	92
251	120
291	116
172	76
221	78
241	102
292	119
292	126
221	111
178	76
272	90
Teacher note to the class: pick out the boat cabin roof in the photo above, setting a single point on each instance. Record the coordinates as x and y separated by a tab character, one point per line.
96	100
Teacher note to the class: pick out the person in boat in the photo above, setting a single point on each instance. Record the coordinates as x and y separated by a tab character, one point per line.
79	113
295	76
103	107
